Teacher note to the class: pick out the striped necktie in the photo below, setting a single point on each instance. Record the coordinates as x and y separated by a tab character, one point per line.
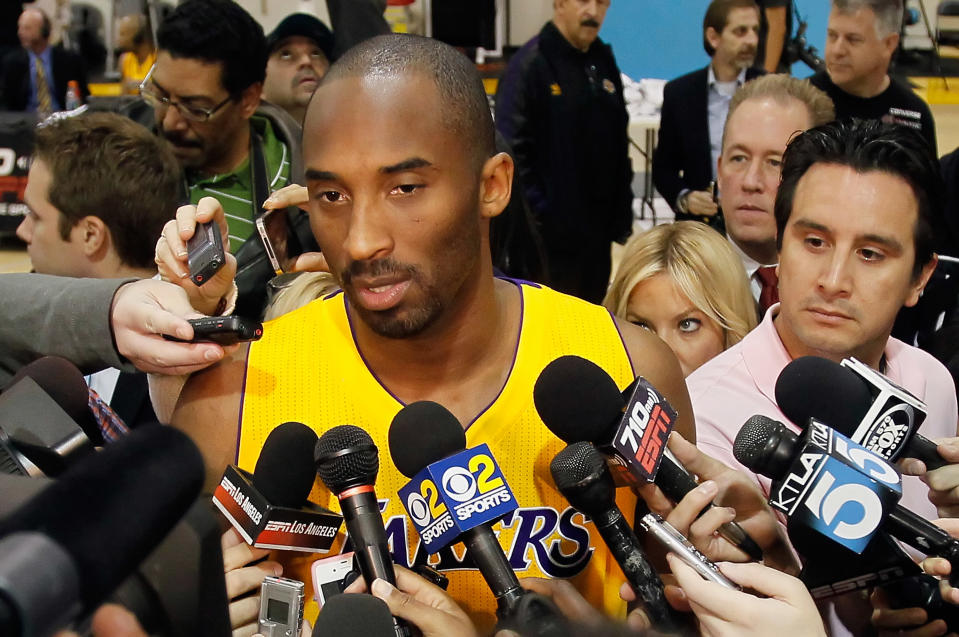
44	103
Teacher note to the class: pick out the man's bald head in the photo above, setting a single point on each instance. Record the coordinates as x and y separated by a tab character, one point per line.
33	29
466	110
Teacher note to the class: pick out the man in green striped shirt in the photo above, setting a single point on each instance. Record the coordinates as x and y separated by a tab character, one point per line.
205	89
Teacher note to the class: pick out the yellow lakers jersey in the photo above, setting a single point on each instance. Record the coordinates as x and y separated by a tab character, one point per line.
307	368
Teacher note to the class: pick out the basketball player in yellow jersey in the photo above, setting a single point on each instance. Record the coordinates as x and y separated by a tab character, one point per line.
403	179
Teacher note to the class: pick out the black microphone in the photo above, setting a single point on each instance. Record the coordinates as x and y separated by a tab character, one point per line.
68	548
45	418
347	461
284	472
424	433
559	398
581	475
768	447
354	615
65	384
859	403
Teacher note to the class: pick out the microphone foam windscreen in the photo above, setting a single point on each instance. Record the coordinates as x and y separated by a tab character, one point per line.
64	383
577	400
814	387
112	508
575	463
354	615
284	472
346	456
422	433
751	440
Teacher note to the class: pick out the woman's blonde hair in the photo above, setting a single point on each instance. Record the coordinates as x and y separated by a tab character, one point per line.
702	264
306	287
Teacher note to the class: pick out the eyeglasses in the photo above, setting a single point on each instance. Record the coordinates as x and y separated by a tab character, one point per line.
148	91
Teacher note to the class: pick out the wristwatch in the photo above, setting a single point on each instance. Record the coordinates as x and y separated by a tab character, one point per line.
682	202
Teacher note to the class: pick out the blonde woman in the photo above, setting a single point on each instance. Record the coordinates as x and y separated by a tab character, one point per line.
684	282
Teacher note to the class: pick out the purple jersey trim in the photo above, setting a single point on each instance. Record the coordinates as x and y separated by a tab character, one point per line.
522	315
239	424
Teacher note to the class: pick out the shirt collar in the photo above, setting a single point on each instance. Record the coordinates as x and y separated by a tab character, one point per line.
749	263
711	77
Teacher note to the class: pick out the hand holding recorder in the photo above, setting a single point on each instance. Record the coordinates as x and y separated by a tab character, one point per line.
173	251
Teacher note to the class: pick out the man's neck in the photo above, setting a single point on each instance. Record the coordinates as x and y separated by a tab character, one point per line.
143	52
723	71
867	87
298	113
462	361
763	253
235	155
38	49
580	47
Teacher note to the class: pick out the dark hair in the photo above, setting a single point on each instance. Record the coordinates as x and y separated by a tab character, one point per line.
217	31
864	146
717	14
107	166
465	106
46	28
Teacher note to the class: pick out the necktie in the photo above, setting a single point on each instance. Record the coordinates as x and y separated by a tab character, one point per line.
769	294
44	104
110	424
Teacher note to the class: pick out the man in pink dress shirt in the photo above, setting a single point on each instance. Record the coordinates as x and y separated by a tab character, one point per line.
853	215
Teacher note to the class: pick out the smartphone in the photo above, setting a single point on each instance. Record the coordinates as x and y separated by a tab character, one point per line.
260	224
328	575
225	330
205	254
675	542
281	607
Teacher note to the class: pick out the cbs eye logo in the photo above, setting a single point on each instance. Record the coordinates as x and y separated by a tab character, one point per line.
425	504
459	484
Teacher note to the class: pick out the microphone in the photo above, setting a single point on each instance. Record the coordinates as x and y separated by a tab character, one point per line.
347	461
581	475
625	432
858	402
45	418
820	474
269	507
354	615
68	548
65	384
456	495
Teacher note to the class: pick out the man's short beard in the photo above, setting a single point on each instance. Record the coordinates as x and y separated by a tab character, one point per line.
416	320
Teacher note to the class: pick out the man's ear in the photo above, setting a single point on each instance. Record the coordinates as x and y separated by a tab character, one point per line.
890	44
713	37
250	99
917	286
496	184
91	234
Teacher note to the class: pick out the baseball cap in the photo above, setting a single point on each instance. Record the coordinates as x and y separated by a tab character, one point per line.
305	25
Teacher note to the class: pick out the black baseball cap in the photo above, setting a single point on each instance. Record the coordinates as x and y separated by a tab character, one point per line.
305	25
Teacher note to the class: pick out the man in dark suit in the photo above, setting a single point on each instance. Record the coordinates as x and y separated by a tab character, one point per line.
694	111
35	78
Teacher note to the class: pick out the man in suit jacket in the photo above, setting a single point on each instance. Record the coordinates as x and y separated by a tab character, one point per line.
694	111
100	189
18	90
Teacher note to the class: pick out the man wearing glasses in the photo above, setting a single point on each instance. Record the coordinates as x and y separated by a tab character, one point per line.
205	91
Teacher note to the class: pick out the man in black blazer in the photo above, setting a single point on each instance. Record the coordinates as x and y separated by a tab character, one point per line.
18	91
694	112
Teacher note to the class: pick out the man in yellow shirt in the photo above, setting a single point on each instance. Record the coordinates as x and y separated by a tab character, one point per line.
139	53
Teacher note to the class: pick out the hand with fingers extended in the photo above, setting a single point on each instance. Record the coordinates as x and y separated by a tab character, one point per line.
172	259
737	498
786	609
296	195
244	575
142	312
421	603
